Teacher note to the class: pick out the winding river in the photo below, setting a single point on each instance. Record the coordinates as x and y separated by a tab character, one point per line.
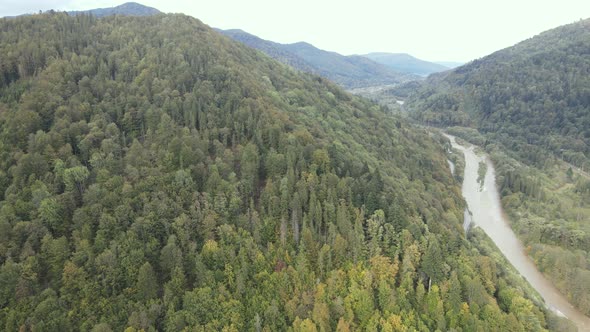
487	213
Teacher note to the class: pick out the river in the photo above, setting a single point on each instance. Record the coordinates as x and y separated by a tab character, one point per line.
487	213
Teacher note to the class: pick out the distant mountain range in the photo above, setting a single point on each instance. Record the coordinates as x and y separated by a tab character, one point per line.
406	63
126	9
348	71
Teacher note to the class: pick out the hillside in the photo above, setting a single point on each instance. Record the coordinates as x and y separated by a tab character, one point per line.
126	9
405	63
348	71
529	107
533	97
164	177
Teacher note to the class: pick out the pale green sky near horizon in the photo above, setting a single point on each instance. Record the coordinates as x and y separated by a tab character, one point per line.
451	30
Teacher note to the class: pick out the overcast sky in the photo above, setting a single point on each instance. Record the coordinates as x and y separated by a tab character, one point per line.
436	30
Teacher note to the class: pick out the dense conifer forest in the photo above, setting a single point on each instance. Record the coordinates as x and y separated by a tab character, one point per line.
155	175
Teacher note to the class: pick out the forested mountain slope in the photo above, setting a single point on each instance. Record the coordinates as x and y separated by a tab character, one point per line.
533	97
348	71
156	175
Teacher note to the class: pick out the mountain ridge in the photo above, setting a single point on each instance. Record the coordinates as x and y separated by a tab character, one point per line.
348	71
404	62
125	9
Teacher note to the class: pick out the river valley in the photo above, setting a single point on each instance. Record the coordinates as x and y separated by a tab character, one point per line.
487	213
